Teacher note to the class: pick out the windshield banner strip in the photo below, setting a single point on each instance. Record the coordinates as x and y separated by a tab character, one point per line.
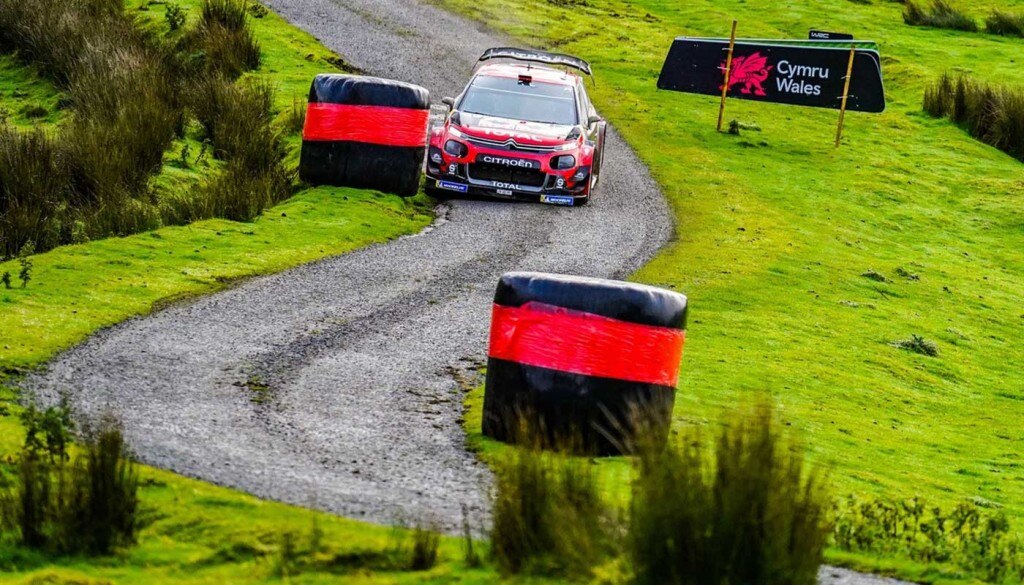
370	124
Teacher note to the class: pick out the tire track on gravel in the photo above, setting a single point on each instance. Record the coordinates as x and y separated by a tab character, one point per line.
360	352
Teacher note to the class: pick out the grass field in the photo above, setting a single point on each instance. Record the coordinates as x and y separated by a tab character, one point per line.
775	230
196	532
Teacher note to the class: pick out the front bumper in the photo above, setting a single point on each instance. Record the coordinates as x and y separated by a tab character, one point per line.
458	186
456	178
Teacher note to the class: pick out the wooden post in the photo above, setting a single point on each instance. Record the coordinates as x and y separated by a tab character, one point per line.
728	72
846	94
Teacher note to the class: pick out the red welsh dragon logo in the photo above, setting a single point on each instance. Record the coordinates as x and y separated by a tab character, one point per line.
751	72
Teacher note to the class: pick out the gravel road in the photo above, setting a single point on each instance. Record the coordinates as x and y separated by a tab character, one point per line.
339	384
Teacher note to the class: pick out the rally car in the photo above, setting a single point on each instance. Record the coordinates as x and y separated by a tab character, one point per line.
523	128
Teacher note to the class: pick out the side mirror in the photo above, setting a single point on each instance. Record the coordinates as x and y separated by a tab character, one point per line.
594	120
450	102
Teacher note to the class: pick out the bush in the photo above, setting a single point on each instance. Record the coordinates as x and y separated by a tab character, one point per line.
747	511
131	92
425	542
98	497
973	538
1005	23
117	83
941	14
175	17
34	191
226	39
241	194
548	515
991	113
71	505
297	116
917	344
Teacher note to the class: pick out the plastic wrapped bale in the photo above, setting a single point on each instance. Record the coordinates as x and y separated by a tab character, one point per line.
365	132
582	364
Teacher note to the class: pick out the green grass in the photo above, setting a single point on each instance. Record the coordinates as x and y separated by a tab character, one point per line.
291	58
196	532
26	99
775	229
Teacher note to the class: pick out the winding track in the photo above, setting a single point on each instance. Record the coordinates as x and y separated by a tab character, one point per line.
360	354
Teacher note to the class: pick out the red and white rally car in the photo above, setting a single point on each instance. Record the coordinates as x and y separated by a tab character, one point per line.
522	129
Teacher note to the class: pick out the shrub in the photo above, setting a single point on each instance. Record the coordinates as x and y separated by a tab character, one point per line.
99	497
991	113
34	191
240	194
940	14
917	344
226	39
425	542
297	116
548	515
175	17
973	538
47	432
238	120
131	92
747	511
1005	23
118	86
87	504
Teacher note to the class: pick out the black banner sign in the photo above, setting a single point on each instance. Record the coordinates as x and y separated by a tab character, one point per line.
821	35
786	74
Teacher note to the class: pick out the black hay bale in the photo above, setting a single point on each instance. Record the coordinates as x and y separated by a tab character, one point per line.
365	132
582	364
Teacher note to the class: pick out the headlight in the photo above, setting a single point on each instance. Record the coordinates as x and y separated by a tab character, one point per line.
455	148
455	132
566	146
564	162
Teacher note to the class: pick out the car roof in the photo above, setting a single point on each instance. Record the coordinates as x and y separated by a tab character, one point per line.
538	72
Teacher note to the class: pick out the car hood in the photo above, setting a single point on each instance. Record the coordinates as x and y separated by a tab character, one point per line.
524	133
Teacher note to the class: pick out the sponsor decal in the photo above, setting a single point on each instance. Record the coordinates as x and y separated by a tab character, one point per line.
808	74
453	169
500	185
749	73
556	199
504	192
822	35
520	163
453	186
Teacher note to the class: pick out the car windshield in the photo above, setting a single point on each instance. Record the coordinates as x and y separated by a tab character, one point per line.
504	97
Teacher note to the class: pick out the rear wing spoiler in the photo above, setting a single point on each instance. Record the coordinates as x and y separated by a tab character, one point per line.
536	57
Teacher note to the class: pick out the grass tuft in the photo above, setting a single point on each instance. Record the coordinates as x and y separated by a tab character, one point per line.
748	510
917	344
994	114
548	515
1005	23
967	535
940	14
425	543
86	504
